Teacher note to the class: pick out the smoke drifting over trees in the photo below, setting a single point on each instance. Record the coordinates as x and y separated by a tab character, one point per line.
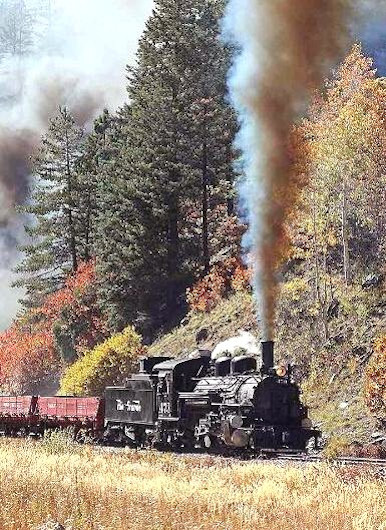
67	52
54	53
287	49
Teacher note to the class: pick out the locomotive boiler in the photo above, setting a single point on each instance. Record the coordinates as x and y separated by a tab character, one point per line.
242	403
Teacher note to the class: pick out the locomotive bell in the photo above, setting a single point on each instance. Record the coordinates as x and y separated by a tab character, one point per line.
235	421
267	355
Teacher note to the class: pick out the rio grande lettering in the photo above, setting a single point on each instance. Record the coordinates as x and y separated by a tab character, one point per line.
129	406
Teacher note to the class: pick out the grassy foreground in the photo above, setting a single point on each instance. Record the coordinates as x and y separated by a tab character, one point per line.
83	488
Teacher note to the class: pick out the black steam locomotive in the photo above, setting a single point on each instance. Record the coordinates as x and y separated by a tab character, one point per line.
213	404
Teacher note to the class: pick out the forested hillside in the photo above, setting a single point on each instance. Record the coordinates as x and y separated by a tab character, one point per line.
136	229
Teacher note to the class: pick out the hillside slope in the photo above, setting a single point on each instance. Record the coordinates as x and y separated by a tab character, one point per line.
330	371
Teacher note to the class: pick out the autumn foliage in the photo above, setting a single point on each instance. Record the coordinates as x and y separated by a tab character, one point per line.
41	340
108	363
375	381
223	279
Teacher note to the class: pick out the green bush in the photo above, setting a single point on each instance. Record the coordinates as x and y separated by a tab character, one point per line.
59	442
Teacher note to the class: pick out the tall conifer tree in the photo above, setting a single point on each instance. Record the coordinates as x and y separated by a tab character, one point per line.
172	148
56	217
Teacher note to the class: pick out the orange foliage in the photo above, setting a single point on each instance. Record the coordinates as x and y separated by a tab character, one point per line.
241	277
78	305
29	356
375	380
224	278
341	149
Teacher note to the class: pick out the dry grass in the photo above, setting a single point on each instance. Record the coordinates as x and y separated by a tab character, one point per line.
84	488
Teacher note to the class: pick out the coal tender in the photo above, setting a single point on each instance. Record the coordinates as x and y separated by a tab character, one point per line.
219	405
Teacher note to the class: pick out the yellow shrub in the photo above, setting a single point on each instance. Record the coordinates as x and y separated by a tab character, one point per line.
107	364
295	289
337	446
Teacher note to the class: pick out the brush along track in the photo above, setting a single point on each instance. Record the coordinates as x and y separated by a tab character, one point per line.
265	457
344	460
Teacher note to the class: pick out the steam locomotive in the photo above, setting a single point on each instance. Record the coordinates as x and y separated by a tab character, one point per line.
213	404
186	403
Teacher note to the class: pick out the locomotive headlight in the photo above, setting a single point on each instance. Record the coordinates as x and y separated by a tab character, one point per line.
281	371
306	423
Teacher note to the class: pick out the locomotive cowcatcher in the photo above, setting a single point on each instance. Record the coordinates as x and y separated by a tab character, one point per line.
214	404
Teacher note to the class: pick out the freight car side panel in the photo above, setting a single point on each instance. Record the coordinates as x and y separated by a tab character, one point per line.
17	405
131	404
71	407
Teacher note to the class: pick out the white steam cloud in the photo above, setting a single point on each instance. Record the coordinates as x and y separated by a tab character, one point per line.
75	56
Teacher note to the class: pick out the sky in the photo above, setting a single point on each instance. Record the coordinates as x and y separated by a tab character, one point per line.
374	44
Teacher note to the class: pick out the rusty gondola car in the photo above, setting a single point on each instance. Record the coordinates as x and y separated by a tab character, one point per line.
17	413
84	415
33	415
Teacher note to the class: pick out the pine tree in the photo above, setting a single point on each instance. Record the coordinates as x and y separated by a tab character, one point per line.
172	149
96	153
212	124
57	221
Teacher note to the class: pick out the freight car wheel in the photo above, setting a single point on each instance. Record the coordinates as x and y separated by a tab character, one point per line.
80	436
24	432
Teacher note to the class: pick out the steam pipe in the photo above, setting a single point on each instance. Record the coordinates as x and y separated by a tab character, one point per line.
267	355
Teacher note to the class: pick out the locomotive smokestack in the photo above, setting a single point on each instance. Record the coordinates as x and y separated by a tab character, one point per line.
267	355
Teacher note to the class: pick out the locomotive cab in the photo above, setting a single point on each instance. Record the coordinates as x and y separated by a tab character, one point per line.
176	376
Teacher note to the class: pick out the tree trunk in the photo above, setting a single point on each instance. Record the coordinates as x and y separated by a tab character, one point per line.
205	205
90	204
172	256
346	253
322	302
71	224
230	200
87	253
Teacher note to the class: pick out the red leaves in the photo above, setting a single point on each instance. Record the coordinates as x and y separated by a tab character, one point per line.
75	286
76	302
224	278
26	355
28	352
241	277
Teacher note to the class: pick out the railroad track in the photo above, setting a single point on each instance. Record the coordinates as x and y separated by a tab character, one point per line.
275	457
344	460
